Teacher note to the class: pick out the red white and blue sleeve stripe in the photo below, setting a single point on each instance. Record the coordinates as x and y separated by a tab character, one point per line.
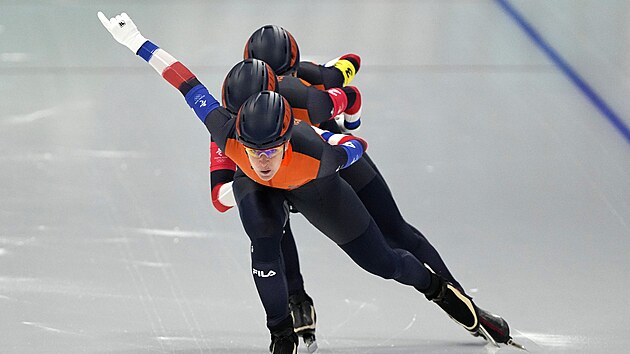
195	93
352	145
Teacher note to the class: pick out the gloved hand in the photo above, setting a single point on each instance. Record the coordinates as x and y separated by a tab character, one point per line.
345	127
123	30
222	197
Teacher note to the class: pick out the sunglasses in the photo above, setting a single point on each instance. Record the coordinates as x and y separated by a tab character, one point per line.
267	152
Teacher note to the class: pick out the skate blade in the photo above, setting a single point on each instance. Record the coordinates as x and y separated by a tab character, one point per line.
517	345
311	343
484	333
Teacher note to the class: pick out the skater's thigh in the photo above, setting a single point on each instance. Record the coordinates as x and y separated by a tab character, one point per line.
263	214
359	174
332	207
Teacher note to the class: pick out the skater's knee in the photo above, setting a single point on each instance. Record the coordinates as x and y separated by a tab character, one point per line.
265	235
263	227
265	249
263	215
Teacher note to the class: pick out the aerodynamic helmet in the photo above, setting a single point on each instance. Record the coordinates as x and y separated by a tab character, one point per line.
246	78
264	121
275	46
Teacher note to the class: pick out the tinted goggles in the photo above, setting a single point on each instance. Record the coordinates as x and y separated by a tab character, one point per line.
267	152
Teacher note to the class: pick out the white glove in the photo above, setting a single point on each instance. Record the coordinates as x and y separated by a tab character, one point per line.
123	30
341	119
226	195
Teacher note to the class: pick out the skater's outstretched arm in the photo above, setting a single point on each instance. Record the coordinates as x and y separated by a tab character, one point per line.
125	32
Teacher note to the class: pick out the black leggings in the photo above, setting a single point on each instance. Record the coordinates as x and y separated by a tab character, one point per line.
367	181
372	189
295	281
331	206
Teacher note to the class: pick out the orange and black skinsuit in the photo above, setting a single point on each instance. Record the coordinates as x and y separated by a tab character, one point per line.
312	104
308	179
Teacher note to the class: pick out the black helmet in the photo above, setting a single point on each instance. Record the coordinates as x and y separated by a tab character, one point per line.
275	46
246	78
264	121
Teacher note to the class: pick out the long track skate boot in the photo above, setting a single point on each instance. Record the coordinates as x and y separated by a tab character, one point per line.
304	319
283	338
494	329
457	305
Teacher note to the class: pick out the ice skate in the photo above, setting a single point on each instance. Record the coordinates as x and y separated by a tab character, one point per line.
457	305
283	338
304	319
494	329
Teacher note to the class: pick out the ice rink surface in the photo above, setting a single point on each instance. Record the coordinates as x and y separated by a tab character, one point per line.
109	244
